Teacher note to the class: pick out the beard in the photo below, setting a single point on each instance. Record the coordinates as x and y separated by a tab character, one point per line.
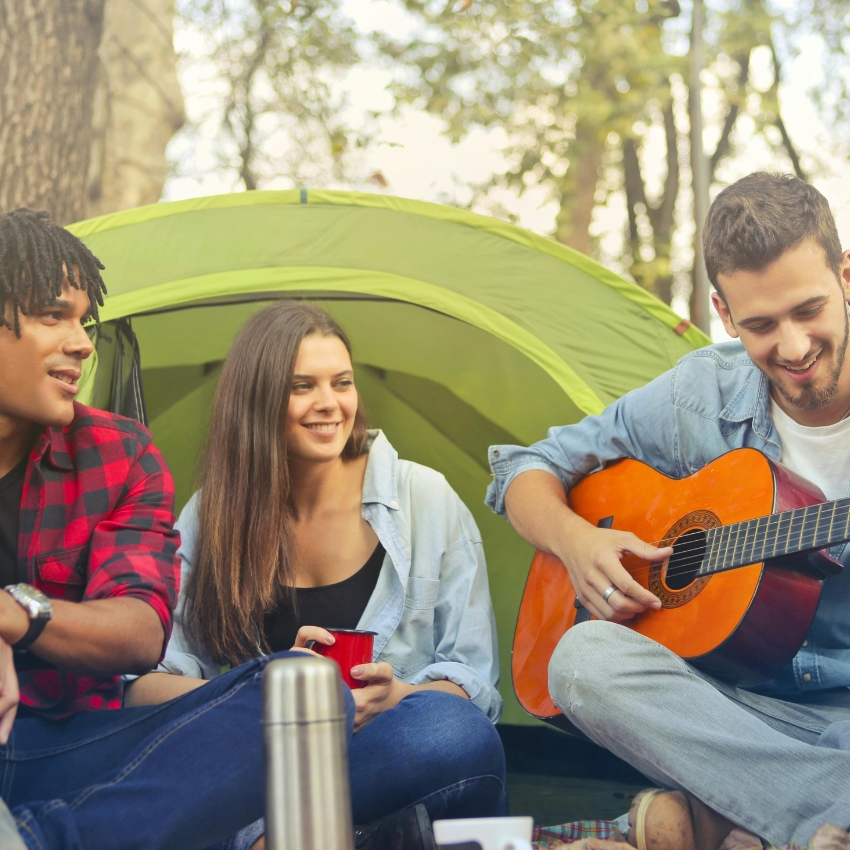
812	397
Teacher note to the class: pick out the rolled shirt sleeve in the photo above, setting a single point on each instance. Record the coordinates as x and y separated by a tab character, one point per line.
96	523
465	637
132	551
639	425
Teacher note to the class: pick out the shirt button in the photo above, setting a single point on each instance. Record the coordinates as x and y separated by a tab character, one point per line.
805	643
807	677
393	504
495	453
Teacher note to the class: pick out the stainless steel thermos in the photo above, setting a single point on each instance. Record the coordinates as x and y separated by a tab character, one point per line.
308	800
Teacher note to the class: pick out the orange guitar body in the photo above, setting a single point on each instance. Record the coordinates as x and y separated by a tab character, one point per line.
743	625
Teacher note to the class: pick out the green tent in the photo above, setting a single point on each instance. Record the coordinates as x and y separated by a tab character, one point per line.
466	331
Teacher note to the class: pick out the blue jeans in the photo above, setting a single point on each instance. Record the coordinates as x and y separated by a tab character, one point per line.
189	773
777	768
434	748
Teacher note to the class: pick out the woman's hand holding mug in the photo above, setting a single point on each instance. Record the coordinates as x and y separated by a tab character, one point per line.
352	650
378	691
309	635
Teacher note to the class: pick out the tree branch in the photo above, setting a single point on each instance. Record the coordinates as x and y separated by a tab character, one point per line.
731	117
635	193
780	124
661	216
247	122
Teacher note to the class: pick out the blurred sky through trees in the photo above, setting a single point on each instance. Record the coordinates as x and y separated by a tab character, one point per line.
442	102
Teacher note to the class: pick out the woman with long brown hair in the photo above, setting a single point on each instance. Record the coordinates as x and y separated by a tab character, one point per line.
305	521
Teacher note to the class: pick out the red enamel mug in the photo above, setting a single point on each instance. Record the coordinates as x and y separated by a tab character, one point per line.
352	647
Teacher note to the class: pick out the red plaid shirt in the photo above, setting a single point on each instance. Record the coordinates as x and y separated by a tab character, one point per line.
96	522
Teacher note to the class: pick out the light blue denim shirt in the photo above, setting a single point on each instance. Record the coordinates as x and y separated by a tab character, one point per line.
431	606
713	400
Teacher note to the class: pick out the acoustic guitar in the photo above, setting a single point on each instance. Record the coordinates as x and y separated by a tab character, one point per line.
738	594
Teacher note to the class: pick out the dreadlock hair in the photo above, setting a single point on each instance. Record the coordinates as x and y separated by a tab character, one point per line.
36	255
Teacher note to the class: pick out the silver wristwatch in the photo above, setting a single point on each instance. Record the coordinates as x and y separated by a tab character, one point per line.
37	606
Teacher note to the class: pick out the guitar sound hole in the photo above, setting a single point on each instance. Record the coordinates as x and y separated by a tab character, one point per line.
683	566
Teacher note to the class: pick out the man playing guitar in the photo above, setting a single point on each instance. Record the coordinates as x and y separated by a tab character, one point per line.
774	761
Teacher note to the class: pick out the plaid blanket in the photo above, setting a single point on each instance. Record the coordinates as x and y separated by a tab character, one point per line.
546	836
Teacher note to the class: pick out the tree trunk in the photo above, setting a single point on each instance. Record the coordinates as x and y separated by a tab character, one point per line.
655	275
578	194
48	73
138	106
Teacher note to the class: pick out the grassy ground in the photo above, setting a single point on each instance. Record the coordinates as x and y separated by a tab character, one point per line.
556	778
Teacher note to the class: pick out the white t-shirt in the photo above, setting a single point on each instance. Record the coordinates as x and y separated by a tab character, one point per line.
821	455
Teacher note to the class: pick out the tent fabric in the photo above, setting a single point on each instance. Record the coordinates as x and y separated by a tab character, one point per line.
466	331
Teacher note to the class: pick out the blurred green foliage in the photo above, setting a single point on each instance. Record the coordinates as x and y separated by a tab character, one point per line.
273	70
591	98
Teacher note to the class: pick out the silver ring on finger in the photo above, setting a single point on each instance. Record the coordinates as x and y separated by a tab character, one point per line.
607	594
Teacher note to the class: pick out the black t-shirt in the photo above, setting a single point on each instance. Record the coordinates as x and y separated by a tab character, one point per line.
11	494
333	606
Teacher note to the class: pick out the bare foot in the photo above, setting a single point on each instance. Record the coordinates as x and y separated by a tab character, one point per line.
673	820
259	844
830	837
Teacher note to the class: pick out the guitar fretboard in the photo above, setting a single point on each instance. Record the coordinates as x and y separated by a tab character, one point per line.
788	533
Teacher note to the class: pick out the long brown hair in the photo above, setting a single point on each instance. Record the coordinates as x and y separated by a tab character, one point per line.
244	561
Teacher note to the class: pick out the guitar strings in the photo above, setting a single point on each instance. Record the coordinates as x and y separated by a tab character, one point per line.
688	565
806	527
685	566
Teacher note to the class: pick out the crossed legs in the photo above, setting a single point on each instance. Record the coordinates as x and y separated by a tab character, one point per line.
767	765
189	773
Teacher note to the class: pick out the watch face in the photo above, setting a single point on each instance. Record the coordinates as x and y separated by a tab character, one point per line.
40	599
37	604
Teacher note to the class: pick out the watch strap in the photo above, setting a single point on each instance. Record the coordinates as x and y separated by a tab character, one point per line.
37	625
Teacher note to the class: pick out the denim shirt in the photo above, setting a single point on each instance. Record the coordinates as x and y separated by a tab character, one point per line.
714	400
431	606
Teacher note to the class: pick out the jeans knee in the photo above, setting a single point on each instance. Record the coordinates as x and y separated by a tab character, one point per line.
836	736
586	663
451	729
477	739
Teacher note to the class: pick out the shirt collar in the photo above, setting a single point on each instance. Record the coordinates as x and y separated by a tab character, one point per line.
54	444
751	402
380	485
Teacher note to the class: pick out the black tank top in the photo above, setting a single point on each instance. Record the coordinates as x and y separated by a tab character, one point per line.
332	606
11	493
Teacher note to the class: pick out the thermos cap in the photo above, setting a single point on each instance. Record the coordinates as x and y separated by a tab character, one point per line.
305	689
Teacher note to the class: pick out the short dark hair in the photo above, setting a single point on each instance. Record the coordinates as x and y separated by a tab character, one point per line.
35	257
755	221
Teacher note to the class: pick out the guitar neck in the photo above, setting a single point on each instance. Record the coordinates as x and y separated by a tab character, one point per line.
787	533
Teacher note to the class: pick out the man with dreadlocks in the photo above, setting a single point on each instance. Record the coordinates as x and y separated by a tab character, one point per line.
89	578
